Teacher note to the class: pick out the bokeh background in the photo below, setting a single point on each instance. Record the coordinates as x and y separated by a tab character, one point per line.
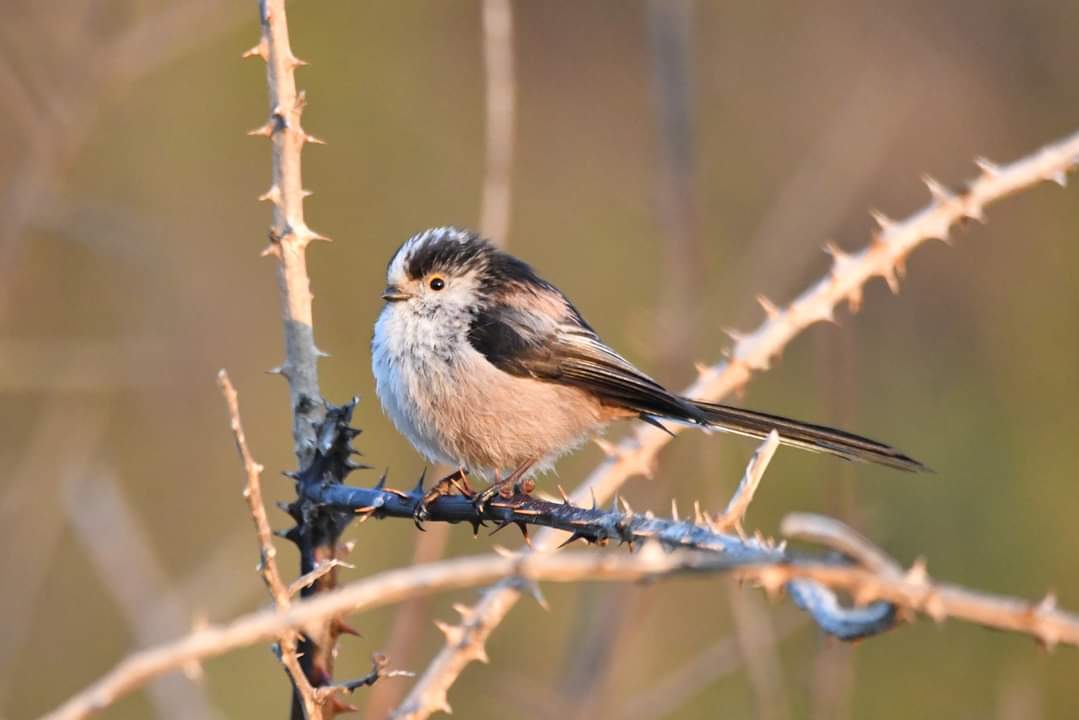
671	161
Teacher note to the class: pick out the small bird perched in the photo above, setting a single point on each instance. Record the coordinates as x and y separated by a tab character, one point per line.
486	367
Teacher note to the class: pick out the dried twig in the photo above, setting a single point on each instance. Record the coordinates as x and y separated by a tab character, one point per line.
317	533
287	642
913	590
884	258
501	108
735	512
289	234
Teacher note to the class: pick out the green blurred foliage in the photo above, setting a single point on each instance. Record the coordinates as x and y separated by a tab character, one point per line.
806	115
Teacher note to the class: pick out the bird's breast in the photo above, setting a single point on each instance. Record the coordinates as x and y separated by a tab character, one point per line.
457	408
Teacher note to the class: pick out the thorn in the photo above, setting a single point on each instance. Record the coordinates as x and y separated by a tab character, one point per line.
454	634
381	484
572	539
989	169
504	552
772	580
524	532
442	704
312	235
463	610
734	335
674	511
1047	635
257	50
479	654
937	191
918	574
338	706
883	221
565	497
975	212
296	62
854	299
323	354
475	527
625	505
418	490
595	503
272	195
534	590
832	249
265	130
768	306
698	516
308	137
501	524
1048	604
1060	177
607	447
340	627
890	276
305	193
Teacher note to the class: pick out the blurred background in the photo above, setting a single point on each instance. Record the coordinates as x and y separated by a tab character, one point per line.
670	161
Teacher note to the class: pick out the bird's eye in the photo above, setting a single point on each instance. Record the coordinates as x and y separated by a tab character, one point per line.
437	283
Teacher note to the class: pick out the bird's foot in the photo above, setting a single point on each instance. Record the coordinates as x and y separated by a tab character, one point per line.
501	488
455	481
515	484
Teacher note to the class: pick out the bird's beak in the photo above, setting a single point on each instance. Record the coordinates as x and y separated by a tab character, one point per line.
392	293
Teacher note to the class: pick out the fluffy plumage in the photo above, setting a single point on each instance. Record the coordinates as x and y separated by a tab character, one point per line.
484	365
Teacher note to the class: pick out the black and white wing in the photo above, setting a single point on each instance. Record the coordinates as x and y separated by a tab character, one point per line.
568	351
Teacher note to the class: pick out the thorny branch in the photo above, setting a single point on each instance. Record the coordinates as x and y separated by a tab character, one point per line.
317	532
501	108
884	257
913	590
289	234
282	597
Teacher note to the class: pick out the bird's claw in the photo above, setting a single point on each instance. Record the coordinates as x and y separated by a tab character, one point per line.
457	480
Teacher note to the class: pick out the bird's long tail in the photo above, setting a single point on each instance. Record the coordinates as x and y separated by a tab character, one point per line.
815	438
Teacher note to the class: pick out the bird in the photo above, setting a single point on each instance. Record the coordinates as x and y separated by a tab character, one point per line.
486	367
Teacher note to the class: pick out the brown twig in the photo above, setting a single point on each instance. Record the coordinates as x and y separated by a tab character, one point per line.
316	534
884	258
267	566
735	512
914	590
289	234
501	108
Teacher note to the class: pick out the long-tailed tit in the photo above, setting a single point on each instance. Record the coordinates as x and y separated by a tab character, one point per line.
486	367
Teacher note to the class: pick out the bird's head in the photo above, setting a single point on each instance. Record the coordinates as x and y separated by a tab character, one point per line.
447	271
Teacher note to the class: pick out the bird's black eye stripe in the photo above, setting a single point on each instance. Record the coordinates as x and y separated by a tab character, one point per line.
436	283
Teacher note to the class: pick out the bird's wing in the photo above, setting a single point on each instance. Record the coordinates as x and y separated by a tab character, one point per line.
569	352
